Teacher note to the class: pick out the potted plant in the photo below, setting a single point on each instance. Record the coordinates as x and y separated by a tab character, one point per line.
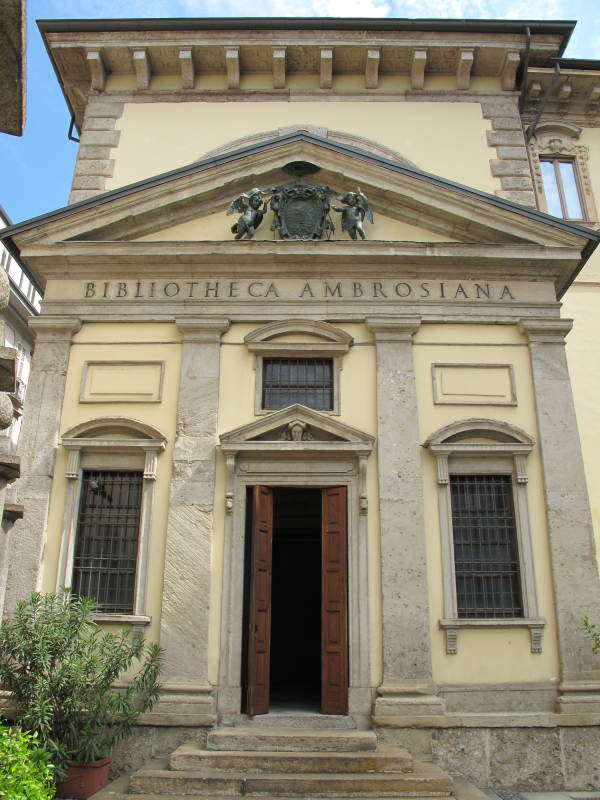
60	669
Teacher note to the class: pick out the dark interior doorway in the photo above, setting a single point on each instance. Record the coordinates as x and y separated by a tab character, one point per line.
295	681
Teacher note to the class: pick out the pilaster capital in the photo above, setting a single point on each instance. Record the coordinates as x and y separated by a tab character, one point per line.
202	329
546	331
54	329
393	329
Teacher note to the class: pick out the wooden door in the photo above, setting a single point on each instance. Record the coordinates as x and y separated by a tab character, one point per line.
259	616
334	602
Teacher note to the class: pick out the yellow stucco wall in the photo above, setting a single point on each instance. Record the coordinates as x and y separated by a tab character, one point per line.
157	137
118	342
484	656
581	303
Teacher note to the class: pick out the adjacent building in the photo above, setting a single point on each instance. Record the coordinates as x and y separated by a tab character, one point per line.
331	474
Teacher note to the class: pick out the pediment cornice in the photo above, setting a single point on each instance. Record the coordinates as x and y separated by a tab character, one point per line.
206	187
296	428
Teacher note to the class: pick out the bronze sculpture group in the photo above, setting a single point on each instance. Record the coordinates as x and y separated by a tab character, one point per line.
300	211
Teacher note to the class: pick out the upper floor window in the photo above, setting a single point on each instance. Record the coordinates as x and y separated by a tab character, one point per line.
308	381
560	172
561	188
298	361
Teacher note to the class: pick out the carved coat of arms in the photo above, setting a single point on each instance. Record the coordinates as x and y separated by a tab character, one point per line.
301	211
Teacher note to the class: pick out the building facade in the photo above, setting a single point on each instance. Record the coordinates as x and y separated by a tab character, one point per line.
328	473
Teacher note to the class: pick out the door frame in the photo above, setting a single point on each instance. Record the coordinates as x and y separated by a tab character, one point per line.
345	465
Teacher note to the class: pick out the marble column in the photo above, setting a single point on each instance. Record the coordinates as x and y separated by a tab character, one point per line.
575	577
187	575
38	442
407	688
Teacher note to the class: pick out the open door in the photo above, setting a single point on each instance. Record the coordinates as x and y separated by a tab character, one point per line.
334	603
259	616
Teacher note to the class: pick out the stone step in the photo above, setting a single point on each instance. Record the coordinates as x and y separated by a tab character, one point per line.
384	759
426	780
300	719
154	796
291	740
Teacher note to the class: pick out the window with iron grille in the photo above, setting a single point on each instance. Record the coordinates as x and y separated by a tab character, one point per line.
106	545
486	559
308	381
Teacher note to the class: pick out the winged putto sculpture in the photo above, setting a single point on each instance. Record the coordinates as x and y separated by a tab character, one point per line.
300	211
249	206
354	211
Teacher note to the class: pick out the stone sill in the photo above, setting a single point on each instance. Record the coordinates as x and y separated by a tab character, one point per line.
123	619
451	626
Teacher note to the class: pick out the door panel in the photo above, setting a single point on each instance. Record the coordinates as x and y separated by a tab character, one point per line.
334	609
259	617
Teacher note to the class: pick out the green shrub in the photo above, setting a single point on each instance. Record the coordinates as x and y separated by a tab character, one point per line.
60	668
25	769
594	634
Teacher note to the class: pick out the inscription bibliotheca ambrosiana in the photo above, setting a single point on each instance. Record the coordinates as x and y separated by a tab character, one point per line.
291	289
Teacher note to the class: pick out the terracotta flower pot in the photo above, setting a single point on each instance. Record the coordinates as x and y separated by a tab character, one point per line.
83	780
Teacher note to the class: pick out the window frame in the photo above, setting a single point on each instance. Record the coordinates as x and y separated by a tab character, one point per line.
564	159
499	449
557	140
270	341
118	445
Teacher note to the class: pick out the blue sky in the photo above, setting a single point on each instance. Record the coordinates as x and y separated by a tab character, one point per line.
37	167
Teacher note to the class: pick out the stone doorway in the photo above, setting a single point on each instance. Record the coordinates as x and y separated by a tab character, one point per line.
295	612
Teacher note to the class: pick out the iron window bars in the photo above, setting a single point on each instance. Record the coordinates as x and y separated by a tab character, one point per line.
486	558
105	560
308	381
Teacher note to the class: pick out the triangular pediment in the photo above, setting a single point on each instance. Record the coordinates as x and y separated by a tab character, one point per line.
299	427
423	208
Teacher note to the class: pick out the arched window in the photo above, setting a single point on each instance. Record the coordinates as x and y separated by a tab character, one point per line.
104	550
486	544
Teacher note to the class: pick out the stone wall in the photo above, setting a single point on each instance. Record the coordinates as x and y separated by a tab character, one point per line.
520	758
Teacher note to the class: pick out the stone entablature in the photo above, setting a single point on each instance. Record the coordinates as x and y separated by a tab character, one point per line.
86	58
573	94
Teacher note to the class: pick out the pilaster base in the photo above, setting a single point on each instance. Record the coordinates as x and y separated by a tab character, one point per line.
187	705
579	697
409	699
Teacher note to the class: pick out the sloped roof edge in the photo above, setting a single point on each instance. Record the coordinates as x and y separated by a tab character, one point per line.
560	27
299	136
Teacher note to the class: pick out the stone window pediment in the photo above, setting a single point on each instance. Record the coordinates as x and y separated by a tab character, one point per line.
311	354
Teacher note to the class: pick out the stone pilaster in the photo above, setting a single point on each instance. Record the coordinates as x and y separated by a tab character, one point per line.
576	582
37	447
407	687
187	576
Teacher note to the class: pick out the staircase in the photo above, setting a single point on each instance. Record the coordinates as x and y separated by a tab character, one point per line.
288	764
